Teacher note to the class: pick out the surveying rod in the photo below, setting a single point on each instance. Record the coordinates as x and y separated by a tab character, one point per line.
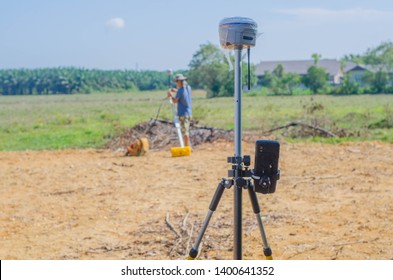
238	154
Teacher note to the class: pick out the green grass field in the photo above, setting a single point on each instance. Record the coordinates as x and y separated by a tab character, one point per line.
89	121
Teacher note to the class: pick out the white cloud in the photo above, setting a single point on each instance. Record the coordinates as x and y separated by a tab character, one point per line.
116	23
347	14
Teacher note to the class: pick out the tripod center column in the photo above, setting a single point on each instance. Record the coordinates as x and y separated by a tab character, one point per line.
238	102
238	153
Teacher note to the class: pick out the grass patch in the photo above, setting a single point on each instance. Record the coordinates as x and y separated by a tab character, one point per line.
89	121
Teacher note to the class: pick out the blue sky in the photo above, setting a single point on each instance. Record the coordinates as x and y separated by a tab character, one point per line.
157	35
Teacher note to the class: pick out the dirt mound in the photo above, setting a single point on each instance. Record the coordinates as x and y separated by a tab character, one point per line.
162	134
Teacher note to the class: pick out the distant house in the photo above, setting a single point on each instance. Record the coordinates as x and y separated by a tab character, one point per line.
356	73
332	67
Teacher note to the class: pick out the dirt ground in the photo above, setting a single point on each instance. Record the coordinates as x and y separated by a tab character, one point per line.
332	202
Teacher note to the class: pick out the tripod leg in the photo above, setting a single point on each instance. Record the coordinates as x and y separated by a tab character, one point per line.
267	251
213	206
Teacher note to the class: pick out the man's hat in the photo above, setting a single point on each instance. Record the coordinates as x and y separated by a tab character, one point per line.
180	77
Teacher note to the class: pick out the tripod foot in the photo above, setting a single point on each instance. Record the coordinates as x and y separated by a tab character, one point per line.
268	253
193	254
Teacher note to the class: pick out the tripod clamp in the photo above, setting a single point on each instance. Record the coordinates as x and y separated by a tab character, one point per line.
240	170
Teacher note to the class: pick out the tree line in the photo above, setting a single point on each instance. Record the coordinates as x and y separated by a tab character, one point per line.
69	80
209	69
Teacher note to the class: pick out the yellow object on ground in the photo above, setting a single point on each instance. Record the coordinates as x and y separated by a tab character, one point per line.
181	151
138	148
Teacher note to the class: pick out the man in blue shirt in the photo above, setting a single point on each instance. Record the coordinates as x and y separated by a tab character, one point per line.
184	105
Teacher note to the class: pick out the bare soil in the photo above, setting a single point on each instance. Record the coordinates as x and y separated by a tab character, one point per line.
332	202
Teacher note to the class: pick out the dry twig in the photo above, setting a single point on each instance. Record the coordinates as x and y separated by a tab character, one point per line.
170	226
324	131
189	239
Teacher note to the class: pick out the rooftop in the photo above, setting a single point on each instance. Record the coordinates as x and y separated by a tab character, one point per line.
300	67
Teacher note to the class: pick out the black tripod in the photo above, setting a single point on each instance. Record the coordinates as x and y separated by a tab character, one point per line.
241	179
